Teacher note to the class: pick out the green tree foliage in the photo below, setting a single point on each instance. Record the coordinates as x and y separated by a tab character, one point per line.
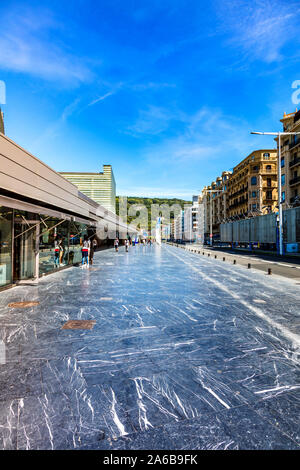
147	202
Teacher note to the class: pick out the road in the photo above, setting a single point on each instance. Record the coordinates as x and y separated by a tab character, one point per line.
184	352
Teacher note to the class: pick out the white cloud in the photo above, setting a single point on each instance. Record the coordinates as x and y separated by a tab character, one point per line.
152	121
101	98
28	44
206	135
54	129
259	28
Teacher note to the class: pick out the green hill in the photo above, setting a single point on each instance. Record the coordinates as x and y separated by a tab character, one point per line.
147	202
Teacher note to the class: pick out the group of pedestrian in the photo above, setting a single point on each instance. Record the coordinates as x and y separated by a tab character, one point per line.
128	242
117	242
87	249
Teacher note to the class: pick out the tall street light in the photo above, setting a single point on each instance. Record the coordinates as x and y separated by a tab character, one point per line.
279	134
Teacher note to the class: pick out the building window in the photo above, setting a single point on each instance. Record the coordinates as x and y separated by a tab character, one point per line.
254	207
282	162
253	180
269	194
269	182
253	193
266	156
282	180
268	168
283	196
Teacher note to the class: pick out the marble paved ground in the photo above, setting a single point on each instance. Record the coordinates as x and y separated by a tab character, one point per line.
186	353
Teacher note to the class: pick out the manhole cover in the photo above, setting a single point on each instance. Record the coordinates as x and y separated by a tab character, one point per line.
105	298
23	304
79	325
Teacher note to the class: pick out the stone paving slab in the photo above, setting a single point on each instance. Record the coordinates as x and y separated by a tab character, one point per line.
186	352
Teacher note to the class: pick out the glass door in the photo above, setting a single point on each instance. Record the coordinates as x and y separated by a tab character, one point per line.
24	249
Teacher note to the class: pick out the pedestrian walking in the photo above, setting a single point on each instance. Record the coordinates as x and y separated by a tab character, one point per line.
116	244
86	245
56	253
94	245
126	245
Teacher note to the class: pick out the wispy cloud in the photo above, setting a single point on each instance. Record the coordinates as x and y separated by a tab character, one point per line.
55	128
260	28
102	98
206	134
28	44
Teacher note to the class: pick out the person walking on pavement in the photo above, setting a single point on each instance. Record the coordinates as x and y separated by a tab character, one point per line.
116	244
92	250
86	245
126	245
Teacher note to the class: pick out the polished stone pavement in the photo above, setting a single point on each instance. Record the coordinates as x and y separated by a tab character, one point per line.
186	353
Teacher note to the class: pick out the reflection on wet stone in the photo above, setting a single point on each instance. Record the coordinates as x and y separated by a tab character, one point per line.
143	352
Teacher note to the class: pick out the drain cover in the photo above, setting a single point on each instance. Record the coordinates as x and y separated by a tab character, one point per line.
23	304
79	325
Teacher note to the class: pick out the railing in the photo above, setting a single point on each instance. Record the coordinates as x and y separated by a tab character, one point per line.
293	144
295	180
294	162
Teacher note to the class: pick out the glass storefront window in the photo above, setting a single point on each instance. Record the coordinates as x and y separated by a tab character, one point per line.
77	232
54	244
6	216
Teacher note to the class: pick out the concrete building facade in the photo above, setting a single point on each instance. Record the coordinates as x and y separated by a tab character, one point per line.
101	187
290	160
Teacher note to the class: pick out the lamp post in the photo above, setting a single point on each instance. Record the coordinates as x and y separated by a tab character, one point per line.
278	134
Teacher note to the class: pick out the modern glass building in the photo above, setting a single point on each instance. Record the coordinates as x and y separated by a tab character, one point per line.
101	187
43	218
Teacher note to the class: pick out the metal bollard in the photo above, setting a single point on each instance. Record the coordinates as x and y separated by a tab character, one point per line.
249	265
234	261
223	258
208	254
215	256
269	271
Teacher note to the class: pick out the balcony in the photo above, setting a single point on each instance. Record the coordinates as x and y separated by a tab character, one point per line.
294	144
294	162
295	180
268	170
295	199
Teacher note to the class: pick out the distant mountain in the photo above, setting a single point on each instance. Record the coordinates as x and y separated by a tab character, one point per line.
147	202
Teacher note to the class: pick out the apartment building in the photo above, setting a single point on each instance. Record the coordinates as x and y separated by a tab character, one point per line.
179	226
213	206
252	187
219	200
290	160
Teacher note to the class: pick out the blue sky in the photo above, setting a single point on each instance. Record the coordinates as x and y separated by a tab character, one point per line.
166	91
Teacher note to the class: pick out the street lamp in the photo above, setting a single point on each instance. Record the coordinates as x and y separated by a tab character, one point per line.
278	134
